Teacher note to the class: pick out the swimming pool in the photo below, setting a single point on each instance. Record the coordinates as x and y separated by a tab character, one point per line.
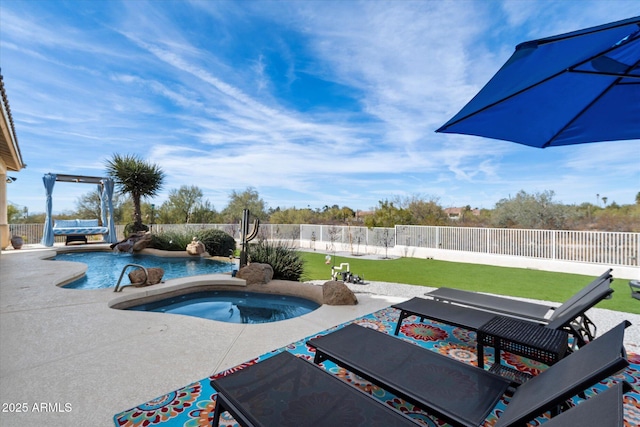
104	268
232	306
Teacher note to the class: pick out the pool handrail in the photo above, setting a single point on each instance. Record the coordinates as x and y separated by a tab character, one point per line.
146	276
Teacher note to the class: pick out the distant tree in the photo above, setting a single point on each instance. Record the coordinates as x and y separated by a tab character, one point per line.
21	215
89	206
164	215
183	201
346	213
248	199
135	177
282	216
293	216
335	214
13	214
424	212
530	211
638	198
387	215
205	213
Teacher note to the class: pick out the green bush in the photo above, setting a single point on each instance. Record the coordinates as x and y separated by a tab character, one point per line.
217	242
285	260
171	240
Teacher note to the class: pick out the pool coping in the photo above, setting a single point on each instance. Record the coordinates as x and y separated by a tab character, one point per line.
214	282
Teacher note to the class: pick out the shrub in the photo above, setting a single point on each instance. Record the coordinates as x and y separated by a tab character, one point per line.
171	240
216	242
285	260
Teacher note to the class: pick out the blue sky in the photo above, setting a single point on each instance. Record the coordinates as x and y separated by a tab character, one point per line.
311	103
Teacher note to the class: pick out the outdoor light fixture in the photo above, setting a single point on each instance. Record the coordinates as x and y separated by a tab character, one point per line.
11	179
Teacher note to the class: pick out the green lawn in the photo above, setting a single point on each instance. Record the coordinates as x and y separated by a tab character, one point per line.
542	285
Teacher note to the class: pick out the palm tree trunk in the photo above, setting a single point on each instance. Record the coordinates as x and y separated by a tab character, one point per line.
137	211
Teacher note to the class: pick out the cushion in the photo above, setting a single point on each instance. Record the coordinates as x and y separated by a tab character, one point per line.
65	223
87	222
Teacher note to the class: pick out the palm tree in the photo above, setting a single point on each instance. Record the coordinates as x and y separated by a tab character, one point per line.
136	177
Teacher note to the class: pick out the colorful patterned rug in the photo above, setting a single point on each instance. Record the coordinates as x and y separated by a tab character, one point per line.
194	405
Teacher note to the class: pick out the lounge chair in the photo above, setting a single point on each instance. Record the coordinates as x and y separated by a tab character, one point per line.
602	410
567	317
511	307
285	390
461	394
570	316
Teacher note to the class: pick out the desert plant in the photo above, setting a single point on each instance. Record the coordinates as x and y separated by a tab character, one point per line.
136	177
286	262
216	242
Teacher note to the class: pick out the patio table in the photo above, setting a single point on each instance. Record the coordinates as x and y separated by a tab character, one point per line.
526	339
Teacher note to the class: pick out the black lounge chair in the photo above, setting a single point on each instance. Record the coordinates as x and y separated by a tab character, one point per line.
511	307
602	410
461	394
570	316
285	390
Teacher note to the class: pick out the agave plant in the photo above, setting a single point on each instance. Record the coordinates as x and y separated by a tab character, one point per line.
284	259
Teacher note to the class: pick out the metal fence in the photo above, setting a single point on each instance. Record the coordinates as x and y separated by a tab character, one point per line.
613	248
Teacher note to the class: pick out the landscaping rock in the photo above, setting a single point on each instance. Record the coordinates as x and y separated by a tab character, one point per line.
142	242
196	247
256	273
337	293
155	275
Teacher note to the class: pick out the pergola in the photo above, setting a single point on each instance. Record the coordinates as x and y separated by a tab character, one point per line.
105	189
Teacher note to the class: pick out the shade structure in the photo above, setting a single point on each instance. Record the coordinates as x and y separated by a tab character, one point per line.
573	88
105	190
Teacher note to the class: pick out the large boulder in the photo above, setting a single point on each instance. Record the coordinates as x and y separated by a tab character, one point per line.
137	276
196	247
337	293
256	273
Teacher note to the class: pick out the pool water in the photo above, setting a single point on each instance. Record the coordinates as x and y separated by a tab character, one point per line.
233	306
104	268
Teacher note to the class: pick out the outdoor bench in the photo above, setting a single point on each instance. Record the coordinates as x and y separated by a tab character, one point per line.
77	230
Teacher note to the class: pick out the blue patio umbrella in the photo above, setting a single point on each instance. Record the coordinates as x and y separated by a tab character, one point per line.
573	88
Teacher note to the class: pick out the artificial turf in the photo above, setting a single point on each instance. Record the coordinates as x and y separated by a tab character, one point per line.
519	282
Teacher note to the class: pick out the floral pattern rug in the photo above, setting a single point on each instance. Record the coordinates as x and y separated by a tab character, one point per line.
194	404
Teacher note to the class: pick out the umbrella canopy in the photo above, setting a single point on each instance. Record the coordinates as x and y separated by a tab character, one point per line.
572	88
